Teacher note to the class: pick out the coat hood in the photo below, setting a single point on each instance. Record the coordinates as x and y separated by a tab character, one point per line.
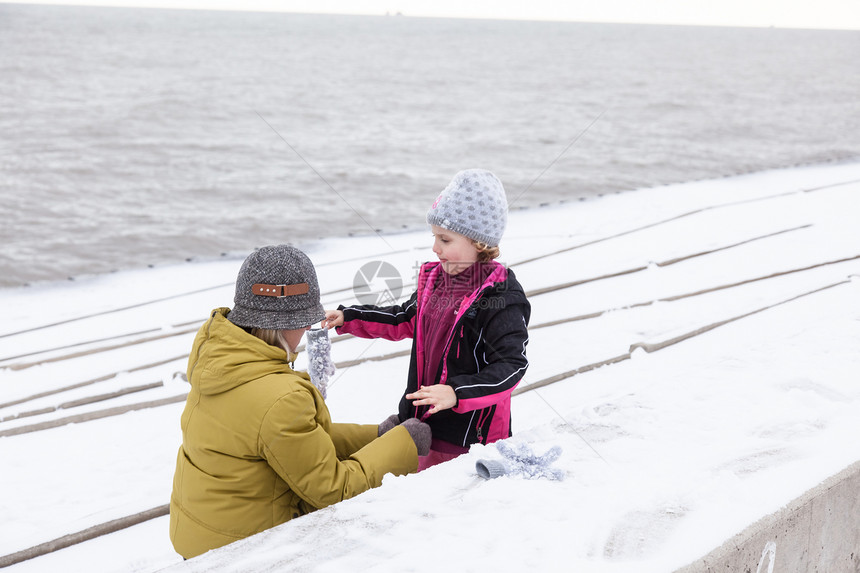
225	356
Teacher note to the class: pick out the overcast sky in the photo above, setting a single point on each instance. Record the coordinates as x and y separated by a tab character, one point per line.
839	14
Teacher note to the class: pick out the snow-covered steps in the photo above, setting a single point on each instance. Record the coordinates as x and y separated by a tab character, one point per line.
692	350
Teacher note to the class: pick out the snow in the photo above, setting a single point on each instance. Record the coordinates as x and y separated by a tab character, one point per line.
665	454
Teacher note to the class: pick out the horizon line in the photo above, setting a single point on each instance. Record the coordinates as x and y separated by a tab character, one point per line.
400	14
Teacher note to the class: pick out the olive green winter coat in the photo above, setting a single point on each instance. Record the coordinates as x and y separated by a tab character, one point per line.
259	447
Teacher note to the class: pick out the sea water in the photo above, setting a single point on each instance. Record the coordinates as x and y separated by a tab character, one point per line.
134	137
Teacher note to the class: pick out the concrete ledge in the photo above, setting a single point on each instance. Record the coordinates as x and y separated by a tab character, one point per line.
817	532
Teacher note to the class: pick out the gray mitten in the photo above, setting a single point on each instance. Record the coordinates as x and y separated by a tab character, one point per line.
320	365
522	461
420	434
489	469
388	423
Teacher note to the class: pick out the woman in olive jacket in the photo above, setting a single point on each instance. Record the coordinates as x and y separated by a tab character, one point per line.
258	445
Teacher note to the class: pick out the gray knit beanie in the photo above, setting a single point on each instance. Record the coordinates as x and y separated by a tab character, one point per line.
277	289
473	204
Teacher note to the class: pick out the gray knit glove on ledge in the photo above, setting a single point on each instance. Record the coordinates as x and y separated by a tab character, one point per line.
521	461
420	434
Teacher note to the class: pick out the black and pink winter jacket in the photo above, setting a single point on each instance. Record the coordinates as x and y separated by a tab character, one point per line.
483	361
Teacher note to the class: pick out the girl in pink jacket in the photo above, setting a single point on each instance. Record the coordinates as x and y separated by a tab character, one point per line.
468	320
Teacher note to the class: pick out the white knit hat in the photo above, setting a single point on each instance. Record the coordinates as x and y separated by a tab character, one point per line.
473	204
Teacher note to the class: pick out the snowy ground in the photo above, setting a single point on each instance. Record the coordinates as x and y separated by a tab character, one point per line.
668	450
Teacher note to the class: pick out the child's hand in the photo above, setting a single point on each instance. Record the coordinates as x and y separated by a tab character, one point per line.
332	319
440	396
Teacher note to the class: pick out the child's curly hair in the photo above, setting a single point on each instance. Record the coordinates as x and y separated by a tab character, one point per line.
486	253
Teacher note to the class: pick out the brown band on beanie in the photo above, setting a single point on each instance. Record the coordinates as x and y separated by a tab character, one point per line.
280	290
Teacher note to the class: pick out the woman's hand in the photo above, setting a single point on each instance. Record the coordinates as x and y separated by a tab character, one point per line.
439	396
332	319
